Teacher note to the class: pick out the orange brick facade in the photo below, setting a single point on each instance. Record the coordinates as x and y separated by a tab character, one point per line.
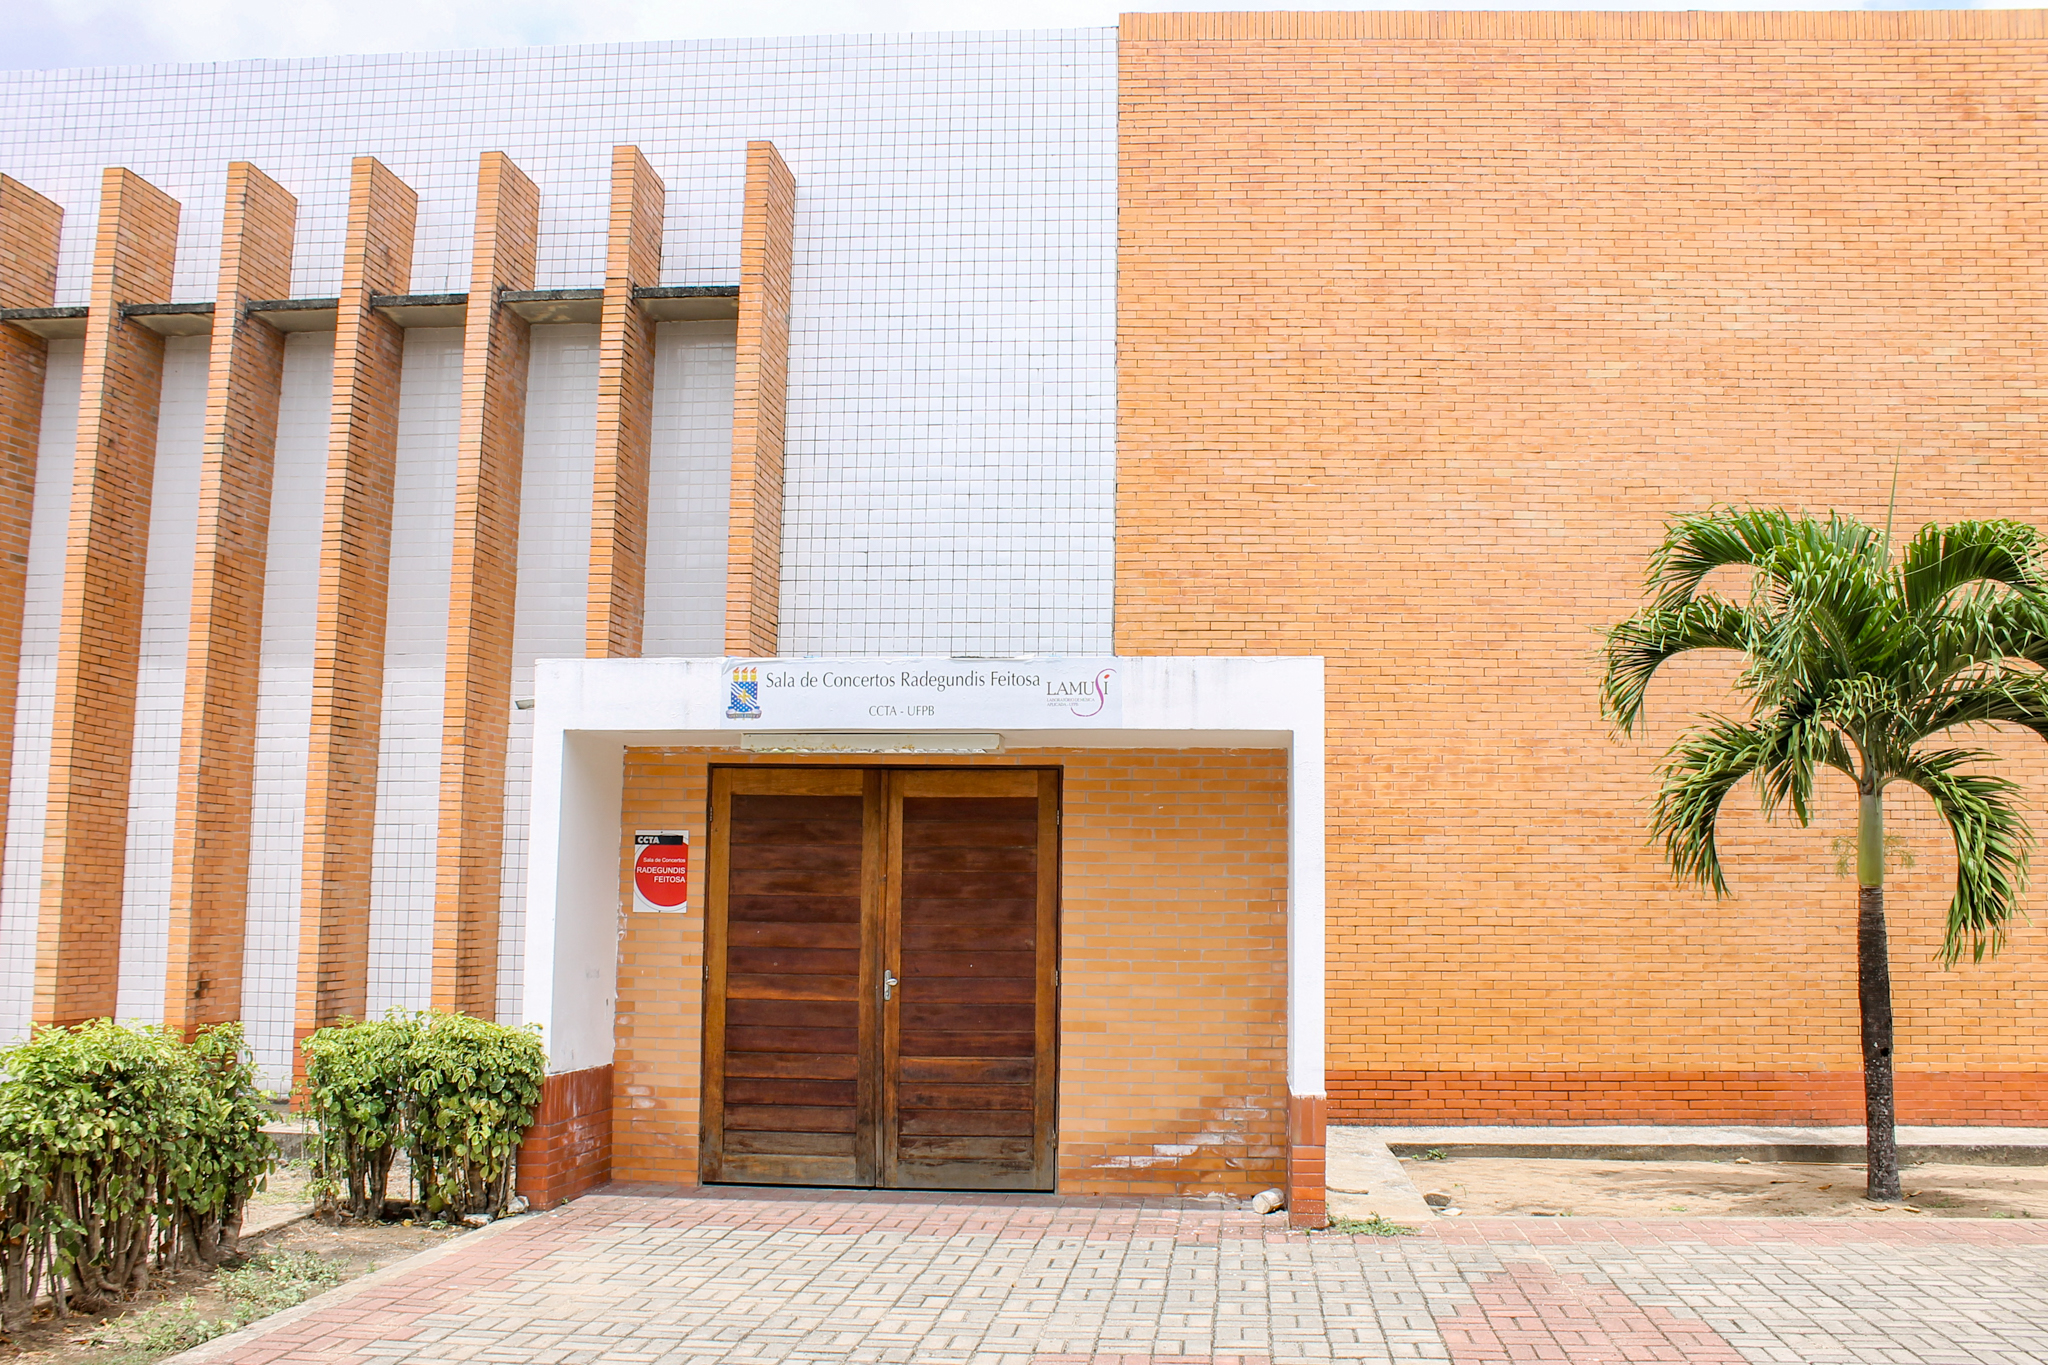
617	605
1425	324
483	587
210	860
348	650
1172	972
78	935
29	227
753	575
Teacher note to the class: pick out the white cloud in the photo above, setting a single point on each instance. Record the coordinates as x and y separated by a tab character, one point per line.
54	33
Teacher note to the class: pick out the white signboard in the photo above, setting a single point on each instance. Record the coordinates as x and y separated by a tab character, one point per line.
894	694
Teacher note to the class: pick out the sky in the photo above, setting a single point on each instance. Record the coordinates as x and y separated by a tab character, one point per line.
59	33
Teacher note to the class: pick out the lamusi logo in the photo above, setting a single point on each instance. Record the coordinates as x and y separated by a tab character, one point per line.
1081	697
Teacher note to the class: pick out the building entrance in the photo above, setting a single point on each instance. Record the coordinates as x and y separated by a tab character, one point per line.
881	1004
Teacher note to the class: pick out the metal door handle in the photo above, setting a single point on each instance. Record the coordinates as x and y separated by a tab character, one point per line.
889	983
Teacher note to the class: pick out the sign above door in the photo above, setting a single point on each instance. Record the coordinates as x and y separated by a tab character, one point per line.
881	693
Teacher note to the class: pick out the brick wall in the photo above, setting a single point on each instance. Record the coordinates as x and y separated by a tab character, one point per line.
1173	973
753	574
29	226
482	591
568	1150
1425	323
216	761
92	732
348	645
625	414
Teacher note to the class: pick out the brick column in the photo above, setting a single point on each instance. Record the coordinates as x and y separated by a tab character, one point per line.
1307	1143
625	414
348	645
753	572
216	754
29	225
92	732
482	585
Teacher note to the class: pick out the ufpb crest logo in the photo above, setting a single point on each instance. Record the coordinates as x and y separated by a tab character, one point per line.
743	693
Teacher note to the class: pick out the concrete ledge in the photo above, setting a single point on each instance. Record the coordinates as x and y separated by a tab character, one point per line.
1616	1142
1365	1180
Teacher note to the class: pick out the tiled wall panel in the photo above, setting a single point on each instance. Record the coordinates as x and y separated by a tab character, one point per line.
21	883
689	475
291	592
949	448
160	679
949	442
554	548
409	760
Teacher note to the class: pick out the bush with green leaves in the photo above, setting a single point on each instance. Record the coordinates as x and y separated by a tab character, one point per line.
122	1149
455	1094
354	1098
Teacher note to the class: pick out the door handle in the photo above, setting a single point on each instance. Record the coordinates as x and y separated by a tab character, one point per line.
889	983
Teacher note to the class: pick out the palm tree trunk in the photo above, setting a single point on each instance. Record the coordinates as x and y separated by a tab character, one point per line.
1874	995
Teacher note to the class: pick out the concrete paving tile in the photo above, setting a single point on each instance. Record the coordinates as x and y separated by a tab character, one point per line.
750	1278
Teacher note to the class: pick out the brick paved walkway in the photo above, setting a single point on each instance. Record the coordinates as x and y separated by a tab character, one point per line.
738	1277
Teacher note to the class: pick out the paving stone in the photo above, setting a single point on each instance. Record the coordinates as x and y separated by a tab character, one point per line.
725	1277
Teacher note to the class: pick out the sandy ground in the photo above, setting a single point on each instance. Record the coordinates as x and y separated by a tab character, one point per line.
1708	1189
353	1249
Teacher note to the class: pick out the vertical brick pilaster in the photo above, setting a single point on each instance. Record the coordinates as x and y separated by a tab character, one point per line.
625	414
753	575
216	755
92	732
482	586
1307	1142
348	645
29	226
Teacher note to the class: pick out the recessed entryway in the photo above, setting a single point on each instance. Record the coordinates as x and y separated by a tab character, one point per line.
881	950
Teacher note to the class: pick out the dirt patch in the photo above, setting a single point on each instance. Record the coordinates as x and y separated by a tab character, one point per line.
331	1254
1723	1189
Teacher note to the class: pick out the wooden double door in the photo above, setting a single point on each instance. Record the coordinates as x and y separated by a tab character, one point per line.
881	951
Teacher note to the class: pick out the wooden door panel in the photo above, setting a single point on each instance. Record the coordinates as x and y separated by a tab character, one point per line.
972	859
822	881
787	1017
985	935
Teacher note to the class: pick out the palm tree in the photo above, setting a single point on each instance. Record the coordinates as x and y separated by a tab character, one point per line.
1854	662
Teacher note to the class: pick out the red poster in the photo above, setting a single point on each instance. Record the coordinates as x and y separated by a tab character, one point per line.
661	870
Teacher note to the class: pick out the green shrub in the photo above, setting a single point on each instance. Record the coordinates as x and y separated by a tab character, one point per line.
454	1093
354	1097
121	1148
473	1087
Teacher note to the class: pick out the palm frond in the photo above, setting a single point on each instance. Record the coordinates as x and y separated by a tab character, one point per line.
2013	626
1793	745
1941	559
1767	538
1699	772
1990	693
1639	646
1992	840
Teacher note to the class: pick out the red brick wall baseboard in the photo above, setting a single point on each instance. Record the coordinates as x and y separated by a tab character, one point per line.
568	1150
1991	1097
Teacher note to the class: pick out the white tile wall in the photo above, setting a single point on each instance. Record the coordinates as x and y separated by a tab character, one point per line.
950	443
291	596
554	576
21	884
415	651
160	679
689	482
